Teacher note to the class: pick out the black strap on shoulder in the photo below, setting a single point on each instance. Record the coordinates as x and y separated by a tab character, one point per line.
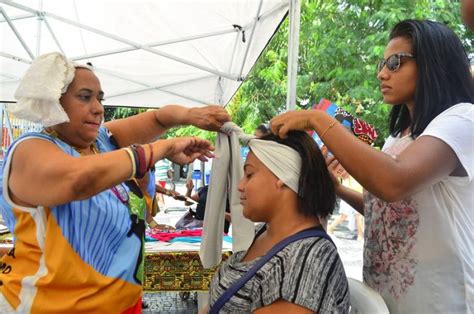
251	272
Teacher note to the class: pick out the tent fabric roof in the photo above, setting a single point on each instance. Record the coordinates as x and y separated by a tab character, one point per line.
146	53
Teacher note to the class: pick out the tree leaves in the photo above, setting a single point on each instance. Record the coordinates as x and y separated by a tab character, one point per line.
340	44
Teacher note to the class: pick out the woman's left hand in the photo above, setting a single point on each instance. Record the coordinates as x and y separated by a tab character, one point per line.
209	118
292	120
184	150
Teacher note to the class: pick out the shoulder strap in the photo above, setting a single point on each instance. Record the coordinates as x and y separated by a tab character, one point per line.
251	272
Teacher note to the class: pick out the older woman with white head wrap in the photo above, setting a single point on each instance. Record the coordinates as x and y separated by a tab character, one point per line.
77	247
286	185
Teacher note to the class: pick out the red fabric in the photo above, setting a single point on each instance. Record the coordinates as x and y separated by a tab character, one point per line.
162	183
167	236
136	309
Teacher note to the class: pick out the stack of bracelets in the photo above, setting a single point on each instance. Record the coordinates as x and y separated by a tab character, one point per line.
139	165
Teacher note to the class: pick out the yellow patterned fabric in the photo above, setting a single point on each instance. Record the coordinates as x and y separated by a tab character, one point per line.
177	271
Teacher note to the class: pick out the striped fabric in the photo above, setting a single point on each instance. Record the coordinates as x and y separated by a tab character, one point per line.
307	272
162	166
84	241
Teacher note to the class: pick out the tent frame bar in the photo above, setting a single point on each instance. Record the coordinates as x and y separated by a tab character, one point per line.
155	44
43	16
17	34
51	32
251	37
19	17
149	87
293	45
123	40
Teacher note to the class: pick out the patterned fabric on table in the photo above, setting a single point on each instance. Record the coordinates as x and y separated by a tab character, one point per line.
177	271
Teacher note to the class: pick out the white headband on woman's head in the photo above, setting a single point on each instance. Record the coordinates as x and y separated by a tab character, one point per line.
40	89
283	161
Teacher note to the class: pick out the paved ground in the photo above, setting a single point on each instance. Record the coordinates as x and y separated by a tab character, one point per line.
349	250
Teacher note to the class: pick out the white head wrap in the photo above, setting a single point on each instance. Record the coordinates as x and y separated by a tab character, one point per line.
283	161
40	89
230	127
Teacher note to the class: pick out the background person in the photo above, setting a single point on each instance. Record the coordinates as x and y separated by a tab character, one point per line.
418	200
64	198
346	211
201	198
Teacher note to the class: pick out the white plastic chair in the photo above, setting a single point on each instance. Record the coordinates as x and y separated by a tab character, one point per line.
364	299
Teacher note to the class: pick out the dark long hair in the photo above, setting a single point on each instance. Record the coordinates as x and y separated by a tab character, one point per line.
316	194
444	75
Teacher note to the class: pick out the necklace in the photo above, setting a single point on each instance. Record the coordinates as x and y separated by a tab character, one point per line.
93	147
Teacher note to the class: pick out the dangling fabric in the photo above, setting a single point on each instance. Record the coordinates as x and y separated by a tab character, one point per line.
227	170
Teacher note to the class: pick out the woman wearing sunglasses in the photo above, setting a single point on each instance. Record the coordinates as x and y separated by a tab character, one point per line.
418	201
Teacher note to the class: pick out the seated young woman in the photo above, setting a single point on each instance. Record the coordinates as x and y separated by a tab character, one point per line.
286	186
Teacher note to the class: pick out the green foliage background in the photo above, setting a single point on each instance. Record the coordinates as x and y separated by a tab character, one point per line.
340	44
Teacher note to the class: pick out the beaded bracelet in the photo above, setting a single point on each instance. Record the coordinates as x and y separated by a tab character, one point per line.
135	158
141	166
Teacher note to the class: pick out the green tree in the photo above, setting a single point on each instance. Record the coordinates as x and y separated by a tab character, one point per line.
340	44
113	113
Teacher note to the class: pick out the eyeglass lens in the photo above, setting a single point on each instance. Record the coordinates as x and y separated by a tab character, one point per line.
392	62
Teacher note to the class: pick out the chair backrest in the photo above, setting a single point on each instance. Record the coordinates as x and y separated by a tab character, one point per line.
364	299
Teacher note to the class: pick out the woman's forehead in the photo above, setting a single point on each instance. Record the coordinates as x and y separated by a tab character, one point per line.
85	78
397	45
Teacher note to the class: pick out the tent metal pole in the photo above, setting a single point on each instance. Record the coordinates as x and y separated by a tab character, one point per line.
16	58
38	37
20	17
164	91
50	29
265	15
173	41
17	34
39	19
147	85
234	52
8	123
125	41
158	87
250	39
151	45
293	45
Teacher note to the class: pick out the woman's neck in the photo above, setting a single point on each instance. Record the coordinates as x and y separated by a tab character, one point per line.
281	228
85	149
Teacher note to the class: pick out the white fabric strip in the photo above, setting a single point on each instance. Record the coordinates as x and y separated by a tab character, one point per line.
283	161
227	170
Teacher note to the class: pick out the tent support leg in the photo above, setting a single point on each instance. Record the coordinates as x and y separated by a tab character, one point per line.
293	45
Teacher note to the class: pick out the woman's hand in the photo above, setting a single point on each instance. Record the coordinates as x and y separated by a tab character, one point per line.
184	150
292	120
161	228
209	118
189	185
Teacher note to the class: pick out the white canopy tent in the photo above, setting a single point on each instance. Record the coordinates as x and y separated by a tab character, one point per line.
147	53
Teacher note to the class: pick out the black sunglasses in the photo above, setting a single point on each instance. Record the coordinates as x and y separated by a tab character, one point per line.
393	62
